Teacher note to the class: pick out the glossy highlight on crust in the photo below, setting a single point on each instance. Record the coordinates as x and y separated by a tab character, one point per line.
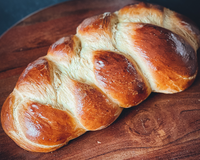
36	72
96	23
172	48
7	114
45	125
94	109
65	48
120	78
114	61
170	57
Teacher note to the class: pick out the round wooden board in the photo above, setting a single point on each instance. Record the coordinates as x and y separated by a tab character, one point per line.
162	127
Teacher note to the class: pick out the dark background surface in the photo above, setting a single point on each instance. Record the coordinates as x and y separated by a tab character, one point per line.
12	11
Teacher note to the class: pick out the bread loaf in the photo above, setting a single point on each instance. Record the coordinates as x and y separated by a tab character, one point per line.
114	61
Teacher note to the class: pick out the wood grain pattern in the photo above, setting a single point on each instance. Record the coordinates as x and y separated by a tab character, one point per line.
162	127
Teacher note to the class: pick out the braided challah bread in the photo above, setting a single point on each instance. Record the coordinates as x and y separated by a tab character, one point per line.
113	62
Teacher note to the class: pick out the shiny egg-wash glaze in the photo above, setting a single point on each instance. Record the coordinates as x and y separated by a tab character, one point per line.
113	62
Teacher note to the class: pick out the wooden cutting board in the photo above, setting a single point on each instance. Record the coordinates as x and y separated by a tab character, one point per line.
162	127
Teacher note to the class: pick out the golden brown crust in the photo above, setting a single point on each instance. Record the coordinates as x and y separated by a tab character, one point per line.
7	119
97	31
146	12
94	109
9	125
141	8
169	57
37	81
41	125
100	23
36	72
120	78
163	17
65	48
110	63
45	125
